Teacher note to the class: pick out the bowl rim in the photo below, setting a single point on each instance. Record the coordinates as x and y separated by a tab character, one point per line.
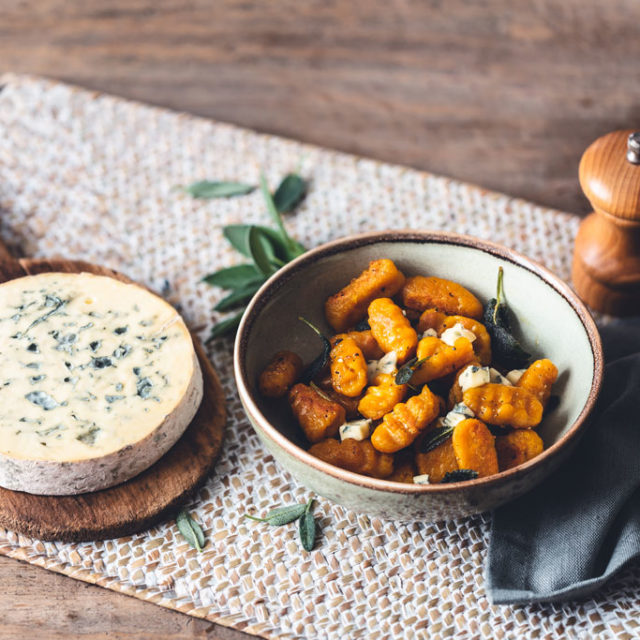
283	275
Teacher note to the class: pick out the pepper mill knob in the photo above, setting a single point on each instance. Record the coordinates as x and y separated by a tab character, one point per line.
606	259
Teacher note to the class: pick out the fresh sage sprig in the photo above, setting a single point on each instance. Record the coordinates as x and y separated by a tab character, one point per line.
303	513
406	371
190	530
460	475
321	360
209	189
269	248
506	349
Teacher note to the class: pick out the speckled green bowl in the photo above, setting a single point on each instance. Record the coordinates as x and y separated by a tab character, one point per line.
553	323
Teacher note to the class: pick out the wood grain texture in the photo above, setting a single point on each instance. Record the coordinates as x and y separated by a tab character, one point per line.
36	603
606	262
610	182
503	94
142	501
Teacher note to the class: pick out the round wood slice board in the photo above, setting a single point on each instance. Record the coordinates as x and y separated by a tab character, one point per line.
142	501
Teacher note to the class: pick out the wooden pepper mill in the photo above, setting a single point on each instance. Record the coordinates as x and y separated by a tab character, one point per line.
606	259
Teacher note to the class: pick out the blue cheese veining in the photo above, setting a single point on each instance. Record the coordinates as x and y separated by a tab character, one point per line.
97	380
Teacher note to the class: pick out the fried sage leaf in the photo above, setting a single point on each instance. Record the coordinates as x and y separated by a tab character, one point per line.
281	515
460	475
190	530
496	318
435	438
321	360
209	189
363	325
499	430
405	373
307	527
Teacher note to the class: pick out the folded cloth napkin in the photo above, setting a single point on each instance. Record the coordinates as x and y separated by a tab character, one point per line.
571	534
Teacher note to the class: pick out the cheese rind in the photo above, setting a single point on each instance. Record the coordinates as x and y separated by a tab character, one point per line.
98	379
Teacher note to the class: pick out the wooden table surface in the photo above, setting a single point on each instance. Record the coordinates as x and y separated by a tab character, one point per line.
501	93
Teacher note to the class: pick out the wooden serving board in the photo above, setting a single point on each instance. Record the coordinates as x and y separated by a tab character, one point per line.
142	501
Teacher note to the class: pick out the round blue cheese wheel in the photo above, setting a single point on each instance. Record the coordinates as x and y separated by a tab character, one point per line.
98	379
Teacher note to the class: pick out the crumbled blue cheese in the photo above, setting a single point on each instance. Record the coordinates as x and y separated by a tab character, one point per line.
457	331
387	364
459	413
498	378
474	376
421	479
514	375
356	430
429	333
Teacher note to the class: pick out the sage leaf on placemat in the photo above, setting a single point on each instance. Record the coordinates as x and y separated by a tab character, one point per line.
281	515
228	325
209	189
262	252
269	248
460	475
234	277
307	527
293	248
238	297
289	192
285	515
190	530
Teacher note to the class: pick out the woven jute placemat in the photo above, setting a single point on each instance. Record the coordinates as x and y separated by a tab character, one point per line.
90	176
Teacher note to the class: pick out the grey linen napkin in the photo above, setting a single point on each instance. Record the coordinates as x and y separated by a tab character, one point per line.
571	534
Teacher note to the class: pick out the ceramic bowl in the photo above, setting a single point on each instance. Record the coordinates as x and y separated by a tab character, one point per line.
553	323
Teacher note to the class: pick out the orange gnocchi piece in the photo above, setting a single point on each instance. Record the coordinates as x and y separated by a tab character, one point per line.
354	455
350	404
482	343
348	368
517	447
382	396
318	417
474	447
437	462
280	374
539	378
347	307
403	425
391	329
440	359
366	343
504	406
431	319
421	292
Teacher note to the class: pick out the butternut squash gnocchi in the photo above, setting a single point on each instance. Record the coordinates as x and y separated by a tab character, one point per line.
418	383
